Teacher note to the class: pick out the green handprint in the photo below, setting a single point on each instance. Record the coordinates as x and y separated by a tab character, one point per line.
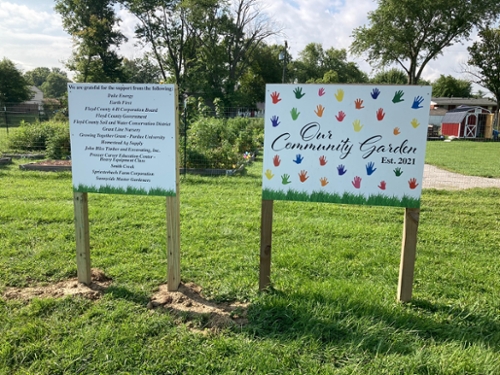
285	179
398	96
295	114
298	92
398	172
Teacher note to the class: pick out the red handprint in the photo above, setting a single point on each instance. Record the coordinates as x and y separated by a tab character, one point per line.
413	183
275	96
356	182
382	185
322	160
340	116
321	91
303	176
380	114
358	103
276	160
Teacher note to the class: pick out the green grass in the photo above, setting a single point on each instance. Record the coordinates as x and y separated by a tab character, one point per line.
465	157
130	190
331	310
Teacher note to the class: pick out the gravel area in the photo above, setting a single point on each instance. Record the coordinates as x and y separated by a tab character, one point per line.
435	178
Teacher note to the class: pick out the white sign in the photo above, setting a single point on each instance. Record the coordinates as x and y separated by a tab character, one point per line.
123	138
360	144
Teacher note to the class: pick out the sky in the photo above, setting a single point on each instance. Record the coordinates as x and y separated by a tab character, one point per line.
31	33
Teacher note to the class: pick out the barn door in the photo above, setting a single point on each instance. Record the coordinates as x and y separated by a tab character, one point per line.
470	130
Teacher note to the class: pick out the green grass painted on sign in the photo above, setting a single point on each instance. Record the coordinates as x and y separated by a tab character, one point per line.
346	198
129	190
332	309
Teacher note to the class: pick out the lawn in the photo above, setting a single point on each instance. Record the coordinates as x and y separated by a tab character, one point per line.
332	308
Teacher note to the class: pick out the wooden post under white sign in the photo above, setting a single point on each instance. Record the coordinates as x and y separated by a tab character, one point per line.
408	254
80	201
266	239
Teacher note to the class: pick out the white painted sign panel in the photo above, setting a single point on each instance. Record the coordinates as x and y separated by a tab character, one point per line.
355	144
123	138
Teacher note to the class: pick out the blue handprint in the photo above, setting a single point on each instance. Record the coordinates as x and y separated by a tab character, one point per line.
275	120
341	169
298	159
375	93
416	102
369	168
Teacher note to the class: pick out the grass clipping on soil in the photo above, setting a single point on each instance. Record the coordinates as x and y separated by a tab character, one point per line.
187	303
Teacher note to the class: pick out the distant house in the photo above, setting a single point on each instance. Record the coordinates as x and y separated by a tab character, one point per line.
452	103
466	122
37	97
34	105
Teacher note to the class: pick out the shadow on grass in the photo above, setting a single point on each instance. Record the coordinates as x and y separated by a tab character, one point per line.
120	292
352	322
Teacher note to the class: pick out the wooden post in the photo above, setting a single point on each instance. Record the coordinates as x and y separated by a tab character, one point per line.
408	254
80	201
266	238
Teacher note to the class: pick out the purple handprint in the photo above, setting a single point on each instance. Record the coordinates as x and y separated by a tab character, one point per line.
370	169
275	121
341	169
298	159
375	93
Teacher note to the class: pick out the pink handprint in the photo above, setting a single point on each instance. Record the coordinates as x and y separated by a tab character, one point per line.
356	182
275	96
340	116
382	185
321	91
322	160
276	161
413	183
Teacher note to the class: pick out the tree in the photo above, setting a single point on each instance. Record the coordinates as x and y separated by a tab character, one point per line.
14	88
94	27
141	70
411	33
55	85
392	76
485	56
449	86
37	76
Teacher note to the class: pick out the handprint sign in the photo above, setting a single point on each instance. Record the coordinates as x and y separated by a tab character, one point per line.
382	185
276	161
341	169
322	160
303	176
295	114
356	182
321	91
319	110
415	123
323	181
275	96
416	102
370	168
398	172
413	183
298	92
375	93
285	179
358	103
357	126
298	159
398	97
340	116
339	95
269	174
396	131
275	121
380	114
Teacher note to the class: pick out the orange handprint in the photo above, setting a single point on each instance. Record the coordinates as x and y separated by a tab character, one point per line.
322	160
275	96
276	160
396	131
303	176
413	183
358	103
319	110
324	181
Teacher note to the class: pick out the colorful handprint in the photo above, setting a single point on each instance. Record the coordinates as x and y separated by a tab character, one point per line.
341	169
269	174
322	160
398	172
319	110
398	96
276	161
321	91
323	181
370	168
295	114
375	93
298	159
380	114
339	95
415	123
358	103
356	182
275	96
285	179
396	131
340	116
303	176
275	121
357	126
382	185
413	183
298	92
416	102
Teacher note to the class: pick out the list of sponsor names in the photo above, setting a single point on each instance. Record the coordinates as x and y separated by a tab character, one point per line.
122	134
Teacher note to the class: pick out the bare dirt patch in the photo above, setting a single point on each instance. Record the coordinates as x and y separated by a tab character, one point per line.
69	287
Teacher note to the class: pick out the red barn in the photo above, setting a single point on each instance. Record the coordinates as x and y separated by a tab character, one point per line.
465	122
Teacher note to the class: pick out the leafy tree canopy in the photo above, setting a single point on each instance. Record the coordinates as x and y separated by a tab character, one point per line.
55	85
14	88
449	86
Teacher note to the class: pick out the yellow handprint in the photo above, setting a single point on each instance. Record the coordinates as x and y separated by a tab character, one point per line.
319	110
415	123
269	174
357	125
339	95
